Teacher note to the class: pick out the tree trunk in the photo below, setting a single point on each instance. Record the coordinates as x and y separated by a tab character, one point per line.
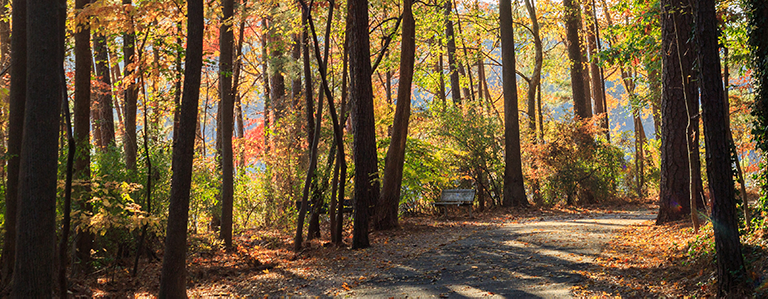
33	270
514	192
598	94
173	277
364	144
538	60
452	64
572	20
678	92
226	44
310	175
654	85
276	68
5	60
16	111
387	208
82	128
104	92
730	264
317	198
296	82
758	20
129	97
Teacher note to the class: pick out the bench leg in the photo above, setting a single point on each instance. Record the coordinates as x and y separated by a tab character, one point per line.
445	211
470	211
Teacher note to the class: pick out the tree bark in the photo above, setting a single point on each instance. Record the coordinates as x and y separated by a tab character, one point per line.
674	194
129	97
364	144
310	175
16	111
173	277
730	264
538	61
226	45
598	94
572	20
82	128
33	270
451	47
514	192
387	208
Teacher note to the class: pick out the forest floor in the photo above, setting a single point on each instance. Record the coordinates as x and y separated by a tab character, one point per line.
559	252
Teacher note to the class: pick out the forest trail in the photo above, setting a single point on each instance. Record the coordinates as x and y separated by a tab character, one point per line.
538	258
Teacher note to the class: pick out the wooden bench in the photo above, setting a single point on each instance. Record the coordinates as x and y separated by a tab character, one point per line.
456	197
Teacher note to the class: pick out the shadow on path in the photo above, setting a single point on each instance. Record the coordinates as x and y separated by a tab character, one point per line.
538	259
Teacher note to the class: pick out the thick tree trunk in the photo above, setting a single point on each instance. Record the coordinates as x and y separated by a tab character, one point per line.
514	192
33	270
173	277
16	111
730	264
364	144
572	20
758	21
129	97
387	208
451	47
674	203
226	45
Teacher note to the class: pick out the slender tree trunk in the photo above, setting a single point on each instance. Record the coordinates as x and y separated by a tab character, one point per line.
732	144
441	77
16	112
82	129
296	82
67	205
514	192
654	85
5	60
678	105
173	277
597	85
572	20
226	44
130	96
387	208
451	47
364	144
730	264
33	270
310	175
538	61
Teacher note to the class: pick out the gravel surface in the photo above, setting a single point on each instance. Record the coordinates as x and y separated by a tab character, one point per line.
533	259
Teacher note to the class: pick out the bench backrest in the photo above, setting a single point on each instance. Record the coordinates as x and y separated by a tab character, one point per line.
462	195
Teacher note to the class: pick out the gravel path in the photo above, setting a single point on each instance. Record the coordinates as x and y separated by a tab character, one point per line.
535	259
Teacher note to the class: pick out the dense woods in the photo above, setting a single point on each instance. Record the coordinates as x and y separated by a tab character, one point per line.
134	130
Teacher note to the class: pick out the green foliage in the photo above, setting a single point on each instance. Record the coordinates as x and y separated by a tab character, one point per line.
573	164
473	145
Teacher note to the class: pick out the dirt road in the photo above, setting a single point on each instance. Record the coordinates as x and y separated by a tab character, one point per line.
533	259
